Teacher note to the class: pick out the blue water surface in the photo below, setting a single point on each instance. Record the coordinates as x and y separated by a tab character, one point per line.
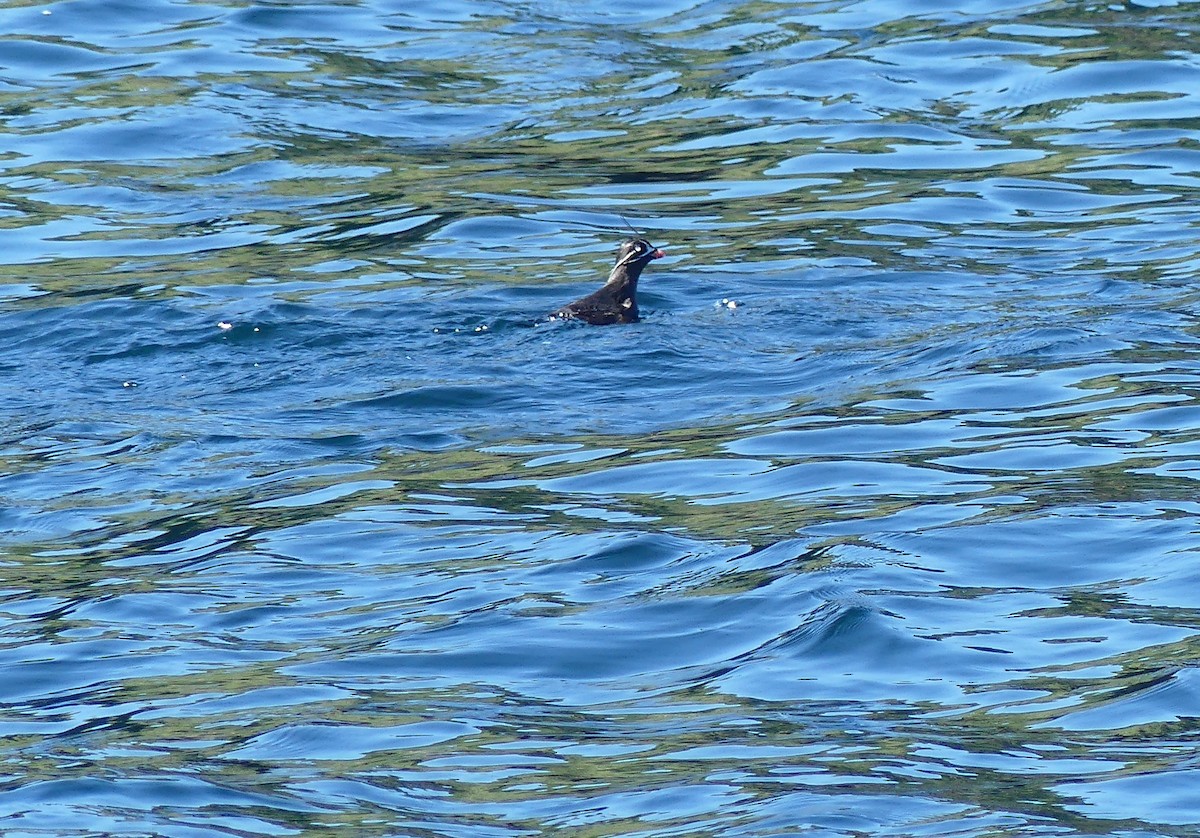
882	521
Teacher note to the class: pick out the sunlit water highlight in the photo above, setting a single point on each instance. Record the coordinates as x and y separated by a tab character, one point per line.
312	524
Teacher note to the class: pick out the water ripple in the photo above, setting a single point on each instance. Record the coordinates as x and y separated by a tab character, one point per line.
880	522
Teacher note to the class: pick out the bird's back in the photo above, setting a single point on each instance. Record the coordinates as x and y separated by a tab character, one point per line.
601	308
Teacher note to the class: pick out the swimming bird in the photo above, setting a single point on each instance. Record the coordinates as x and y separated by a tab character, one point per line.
616	300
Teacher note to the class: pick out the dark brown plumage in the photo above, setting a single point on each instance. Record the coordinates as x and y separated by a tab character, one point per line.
616	300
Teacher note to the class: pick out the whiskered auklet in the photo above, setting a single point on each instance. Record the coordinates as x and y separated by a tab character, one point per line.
616	300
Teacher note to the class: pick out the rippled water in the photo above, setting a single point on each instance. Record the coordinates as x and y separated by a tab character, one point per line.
311	524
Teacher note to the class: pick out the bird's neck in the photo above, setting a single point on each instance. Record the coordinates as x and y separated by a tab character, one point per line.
624	276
